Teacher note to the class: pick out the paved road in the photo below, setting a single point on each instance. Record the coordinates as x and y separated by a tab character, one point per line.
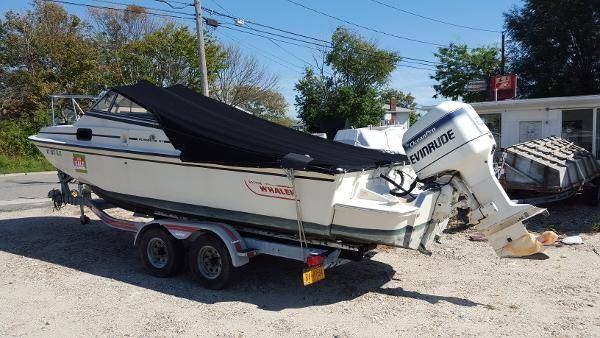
23	191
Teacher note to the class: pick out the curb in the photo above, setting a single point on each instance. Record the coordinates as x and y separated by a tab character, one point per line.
24	204
31	173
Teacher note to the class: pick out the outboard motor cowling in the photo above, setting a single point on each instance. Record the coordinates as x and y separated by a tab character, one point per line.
451	137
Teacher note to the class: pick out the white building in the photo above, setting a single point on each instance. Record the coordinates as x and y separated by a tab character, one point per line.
395	115
575	118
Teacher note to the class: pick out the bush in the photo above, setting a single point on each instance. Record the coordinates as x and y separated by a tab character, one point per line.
23	164
14	133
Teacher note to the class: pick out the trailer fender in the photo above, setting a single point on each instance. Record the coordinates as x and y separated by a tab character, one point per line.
191	230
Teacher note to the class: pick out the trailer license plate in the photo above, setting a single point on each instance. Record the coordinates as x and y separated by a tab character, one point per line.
313	274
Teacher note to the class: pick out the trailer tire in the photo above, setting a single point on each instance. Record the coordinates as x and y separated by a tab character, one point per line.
161	254
210	262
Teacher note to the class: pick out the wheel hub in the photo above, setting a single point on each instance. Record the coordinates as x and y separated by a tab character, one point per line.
157	253
209	262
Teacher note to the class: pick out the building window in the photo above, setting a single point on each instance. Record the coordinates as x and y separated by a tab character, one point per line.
577	126
529	130
494	124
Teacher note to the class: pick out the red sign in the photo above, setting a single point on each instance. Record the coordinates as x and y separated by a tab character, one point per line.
503	87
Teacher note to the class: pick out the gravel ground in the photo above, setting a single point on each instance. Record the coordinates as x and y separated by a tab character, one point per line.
58	277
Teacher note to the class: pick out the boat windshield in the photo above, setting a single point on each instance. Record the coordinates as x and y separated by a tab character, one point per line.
117	104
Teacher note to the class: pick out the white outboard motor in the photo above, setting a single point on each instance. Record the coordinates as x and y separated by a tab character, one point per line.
452	138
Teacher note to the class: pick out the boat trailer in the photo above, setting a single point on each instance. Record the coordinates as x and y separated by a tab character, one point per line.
215	250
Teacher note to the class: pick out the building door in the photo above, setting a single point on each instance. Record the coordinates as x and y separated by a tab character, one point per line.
529	130
577	127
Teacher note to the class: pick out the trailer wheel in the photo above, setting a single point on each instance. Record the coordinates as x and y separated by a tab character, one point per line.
161	253
210	263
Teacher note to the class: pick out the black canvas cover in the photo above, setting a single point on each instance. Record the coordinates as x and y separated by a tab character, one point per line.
209	131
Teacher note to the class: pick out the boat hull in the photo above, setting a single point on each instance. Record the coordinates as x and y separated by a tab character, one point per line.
349	206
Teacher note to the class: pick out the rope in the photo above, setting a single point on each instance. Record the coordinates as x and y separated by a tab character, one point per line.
301	233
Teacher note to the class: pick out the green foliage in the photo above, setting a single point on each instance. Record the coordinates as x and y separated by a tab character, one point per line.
360	70
359	63
458	66
166	57
23	164
267	104
555	47
14	133
44	51
402	99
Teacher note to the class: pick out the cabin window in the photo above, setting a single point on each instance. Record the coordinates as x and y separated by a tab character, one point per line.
105	102
117	104
127	107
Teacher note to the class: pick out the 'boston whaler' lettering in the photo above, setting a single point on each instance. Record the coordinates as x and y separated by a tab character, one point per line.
432	146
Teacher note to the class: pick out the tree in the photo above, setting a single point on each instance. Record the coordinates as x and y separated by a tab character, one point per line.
360	70
44	51
402	100
118	27
244	83
554	47
241	79
268	104
166	57
114	29
458	66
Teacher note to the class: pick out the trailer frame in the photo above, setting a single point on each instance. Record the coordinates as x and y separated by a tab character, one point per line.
241	243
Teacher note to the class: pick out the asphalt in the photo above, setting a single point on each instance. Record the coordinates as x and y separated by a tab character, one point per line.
25	191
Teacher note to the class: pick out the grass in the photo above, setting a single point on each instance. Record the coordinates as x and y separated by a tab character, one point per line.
22	164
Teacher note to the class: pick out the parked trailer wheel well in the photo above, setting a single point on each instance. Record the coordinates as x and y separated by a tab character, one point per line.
188	234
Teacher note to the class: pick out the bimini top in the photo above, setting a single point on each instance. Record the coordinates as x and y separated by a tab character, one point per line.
209	131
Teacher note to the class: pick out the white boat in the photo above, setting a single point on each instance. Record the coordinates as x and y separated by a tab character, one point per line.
170	152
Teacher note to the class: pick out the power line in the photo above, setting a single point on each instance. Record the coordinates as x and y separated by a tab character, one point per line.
216	2
284	36
408	66
256	34
213	12
286	63
248	30
119	9
325	42
144	7
173	1
435	20
362	26
290	53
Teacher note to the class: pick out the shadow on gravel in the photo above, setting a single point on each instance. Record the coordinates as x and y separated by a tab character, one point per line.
269	283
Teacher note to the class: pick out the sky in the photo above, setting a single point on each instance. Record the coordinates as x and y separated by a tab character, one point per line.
287	61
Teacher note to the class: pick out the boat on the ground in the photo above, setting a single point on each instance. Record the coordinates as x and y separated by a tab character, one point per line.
547	170
171	152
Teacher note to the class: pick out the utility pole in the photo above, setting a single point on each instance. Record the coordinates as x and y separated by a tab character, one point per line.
502	60
201	56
